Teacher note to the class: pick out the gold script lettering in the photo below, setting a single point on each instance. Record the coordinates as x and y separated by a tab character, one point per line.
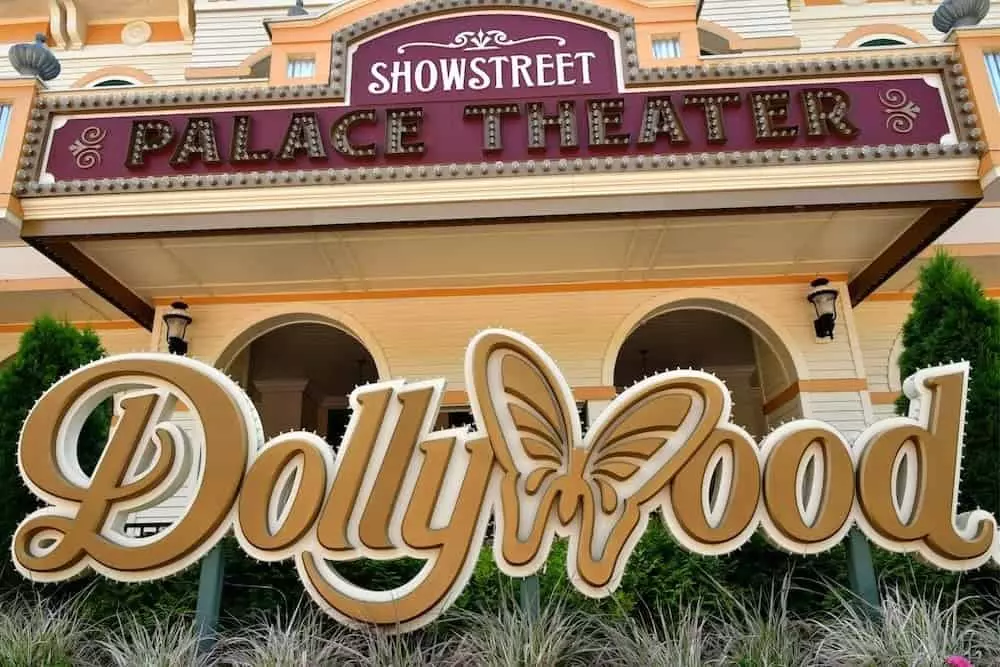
397	488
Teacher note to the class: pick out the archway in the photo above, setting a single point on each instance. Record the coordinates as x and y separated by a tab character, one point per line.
299	376
755	368
299	371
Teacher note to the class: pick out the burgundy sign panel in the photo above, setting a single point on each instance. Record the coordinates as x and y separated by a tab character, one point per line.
497	87
490	55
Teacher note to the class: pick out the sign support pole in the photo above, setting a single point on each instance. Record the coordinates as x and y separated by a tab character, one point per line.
209	596
861	570
530	598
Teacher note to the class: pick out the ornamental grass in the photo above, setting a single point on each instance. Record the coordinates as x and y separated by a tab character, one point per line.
933	629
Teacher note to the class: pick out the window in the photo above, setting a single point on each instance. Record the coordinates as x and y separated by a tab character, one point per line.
669	47
6	111
301	68
112	83
882	41
992	71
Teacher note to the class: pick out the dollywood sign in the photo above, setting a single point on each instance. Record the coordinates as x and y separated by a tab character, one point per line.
396	488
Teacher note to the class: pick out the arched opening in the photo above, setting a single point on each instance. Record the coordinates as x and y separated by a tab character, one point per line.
300	375
754	365
113	82
881	41
298	371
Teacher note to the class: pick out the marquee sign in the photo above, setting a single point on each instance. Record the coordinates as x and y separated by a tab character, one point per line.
396	488
511	91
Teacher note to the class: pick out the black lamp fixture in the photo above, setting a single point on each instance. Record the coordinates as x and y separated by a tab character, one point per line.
177	320
823	297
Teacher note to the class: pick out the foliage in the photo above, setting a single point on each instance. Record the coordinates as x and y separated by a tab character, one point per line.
762	630
170	642
34	633
909	630
514	637
678	640
925	630
47	351
301	637
952	319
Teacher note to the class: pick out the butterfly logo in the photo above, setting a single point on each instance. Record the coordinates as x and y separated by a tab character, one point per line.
596	490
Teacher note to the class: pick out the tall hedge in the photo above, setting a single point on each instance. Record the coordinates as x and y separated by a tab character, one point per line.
952	319
47	351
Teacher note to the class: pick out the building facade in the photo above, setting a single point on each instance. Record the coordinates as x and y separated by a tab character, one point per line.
343	192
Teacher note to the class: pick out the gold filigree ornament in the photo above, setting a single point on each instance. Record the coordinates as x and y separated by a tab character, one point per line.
397	488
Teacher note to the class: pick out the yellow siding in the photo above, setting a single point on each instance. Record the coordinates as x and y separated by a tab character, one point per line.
750	18
163	61
879	324
822	26
423	338
115	341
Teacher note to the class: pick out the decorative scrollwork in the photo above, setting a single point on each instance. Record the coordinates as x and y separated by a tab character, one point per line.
900	110
87	148
482	40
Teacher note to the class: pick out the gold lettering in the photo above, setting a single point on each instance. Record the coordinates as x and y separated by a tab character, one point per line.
908	475
660	118
492	120
770	111
341	134
373	529
302	138
602	115
720	516
402	126
395	489
539	122
241	151
355	453
808	468
198	139
81	507
147	136
271	518
826	111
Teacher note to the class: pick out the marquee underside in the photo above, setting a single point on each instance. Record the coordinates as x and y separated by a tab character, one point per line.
840	242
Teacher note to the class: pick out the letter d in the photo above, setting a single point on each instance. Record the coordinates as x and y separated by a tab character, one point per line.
909	471
78	528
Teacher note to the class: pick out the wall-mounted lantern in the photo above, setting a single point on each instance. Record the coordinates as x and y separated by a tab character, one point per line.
177	320
823	297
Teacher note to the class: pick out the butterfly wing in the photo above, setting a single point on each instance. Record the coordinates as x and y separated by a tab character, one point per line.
524	405
637	444
633	450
